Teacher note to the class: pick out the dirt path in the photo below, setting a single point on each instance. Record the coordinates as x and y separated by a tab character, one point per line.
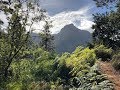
106	68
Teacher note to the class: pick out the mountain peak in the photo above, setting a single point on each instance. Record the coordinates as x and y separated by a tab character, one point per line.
72	25
69	28
70	37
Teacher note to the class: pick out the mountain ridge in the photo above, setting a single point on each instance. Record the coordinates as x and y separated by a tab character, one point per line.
70	37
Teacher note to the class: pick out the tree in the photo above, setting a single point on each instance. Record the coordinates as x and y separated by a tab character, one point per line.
15	40
107	28
47	38
107	25
101	3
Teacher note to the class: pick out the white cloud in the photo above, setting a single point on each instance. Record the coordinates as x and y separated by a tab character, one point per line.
53	3
80	18
36	26
3	17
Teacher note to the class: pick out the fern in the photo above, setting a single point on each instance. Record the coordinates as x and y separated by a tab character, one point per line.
93	80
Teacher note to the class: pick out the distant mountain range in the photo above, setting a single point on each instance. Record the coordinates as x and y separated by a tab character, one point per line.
68	38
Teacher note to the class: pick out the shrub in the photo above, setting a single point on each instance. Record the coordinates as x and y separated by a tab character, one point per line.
25	71
39	86
103	52
93	80
43	64
45	71
14	86
80	60
116	61
73	65
22	69
61	70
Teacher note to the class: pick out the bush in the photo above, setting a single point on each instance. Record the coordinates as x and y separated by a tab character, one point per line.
93	80
25	71
73	65
43	65
116	61
45	71
39	86
14	86
61	70
46	86
81	60
103	52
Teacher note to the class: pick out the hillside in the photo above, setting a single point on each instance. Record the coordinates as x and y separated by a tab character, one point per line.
70	37
73	59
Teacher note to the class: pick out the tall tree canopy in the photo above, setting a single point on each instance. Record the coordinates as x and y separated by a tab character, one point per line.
101	3
47	38
107	28
15	40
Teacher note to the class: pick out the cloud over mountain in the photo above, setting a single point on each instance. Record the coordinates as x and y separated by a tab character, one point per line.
56	6
79	18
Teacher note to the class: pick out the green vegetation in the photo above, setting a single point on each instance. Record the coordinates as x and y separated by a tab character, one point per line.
45	70
116	61
106	28
26	66
92	80
103	53
107	32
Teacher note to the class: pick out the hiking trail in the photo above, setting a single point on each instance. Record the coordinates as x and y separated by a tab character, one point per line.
112	75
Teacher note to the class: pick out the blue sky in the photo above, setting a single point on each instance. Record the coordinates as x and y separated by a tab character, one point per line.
63	12
57	6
